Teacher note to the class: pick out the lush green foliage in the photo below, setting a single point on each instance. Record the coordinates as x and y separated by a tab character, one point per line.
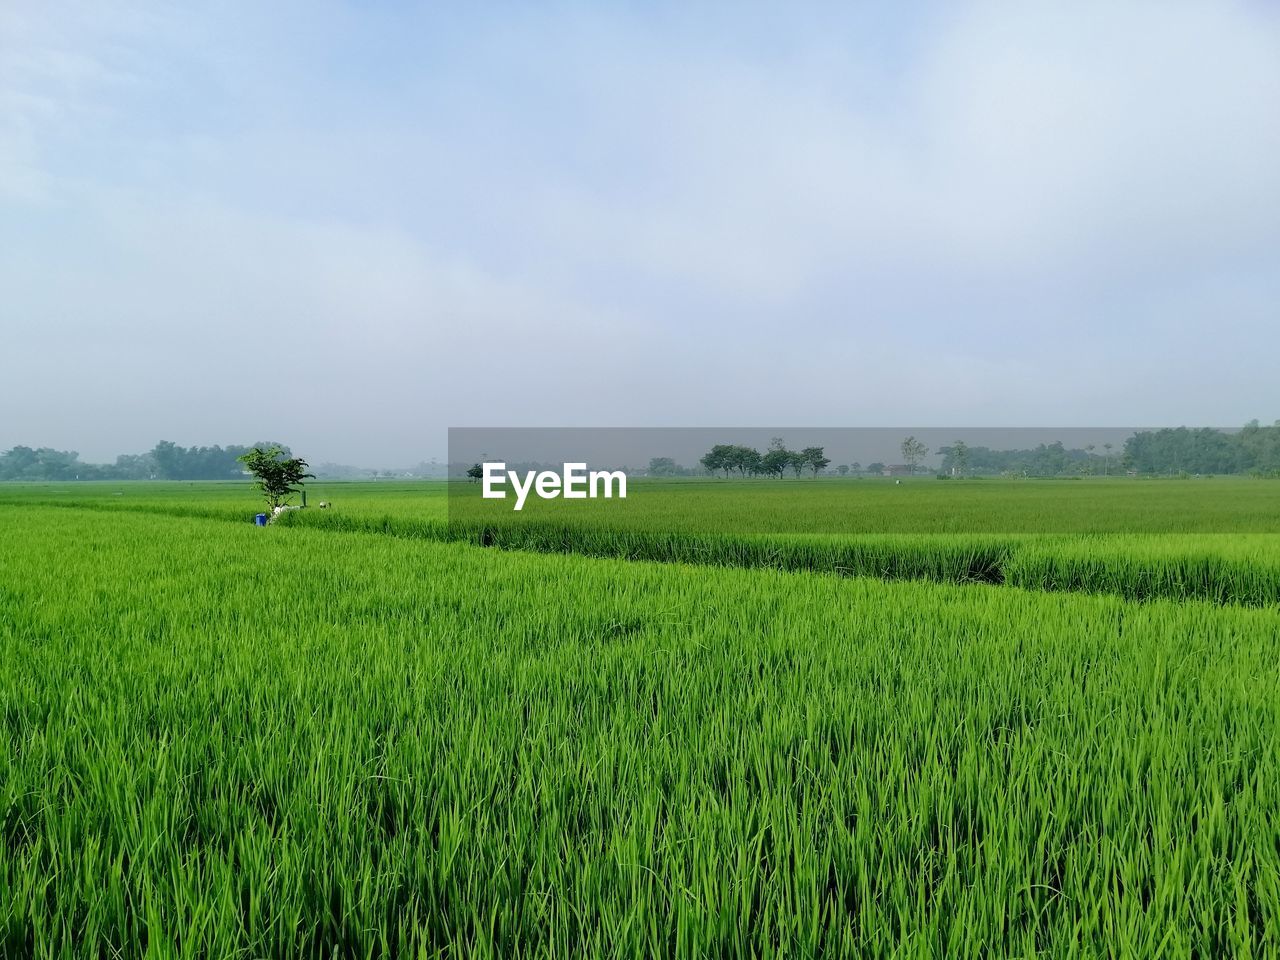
166	461
418	749
742	524
277	475
1255	448
1092	506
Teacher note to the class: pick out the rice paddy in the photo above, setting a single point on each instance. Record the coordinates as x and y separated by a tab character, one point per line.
361	733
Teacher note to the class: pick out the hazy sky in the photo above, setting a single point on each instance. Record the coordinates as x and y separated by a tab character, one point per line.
349	226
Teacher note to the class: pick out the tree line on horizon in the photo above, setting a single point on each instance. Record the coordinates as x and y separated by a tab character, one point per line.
1254	450
776	461
1171	451
165	461
725	459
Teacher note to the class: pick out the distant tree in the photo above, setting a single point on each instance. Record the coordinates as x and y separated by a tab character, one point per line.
43	463
875	469
960	450
18	463
1106	461
775	462
133	466
797	461
475	471
277	476
722	457
714	459
776	459
747	460
1053	460
843	469
662	467
172	462
60	464
913	451
727	457
815	459
167	457
855	467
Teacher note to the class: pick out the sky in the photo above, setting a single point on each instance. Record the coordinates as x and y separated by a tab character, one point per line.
350	226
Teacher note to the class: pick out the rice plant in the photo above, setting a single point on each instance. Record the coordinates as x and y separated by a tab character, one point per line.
222	741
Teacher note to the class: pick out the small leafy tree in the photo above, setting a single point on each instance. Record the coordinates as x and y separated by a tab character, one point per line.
746	460
475	471
719	457
913	451
815	459
843	469
961	453
276	475
776	459
662	467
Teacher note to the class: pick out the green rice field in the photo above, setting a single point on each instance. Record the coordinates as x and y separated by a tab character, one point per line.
743	720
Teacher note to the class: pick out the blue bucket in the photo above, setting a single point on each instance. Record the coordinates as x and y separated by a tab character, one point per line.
260	519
